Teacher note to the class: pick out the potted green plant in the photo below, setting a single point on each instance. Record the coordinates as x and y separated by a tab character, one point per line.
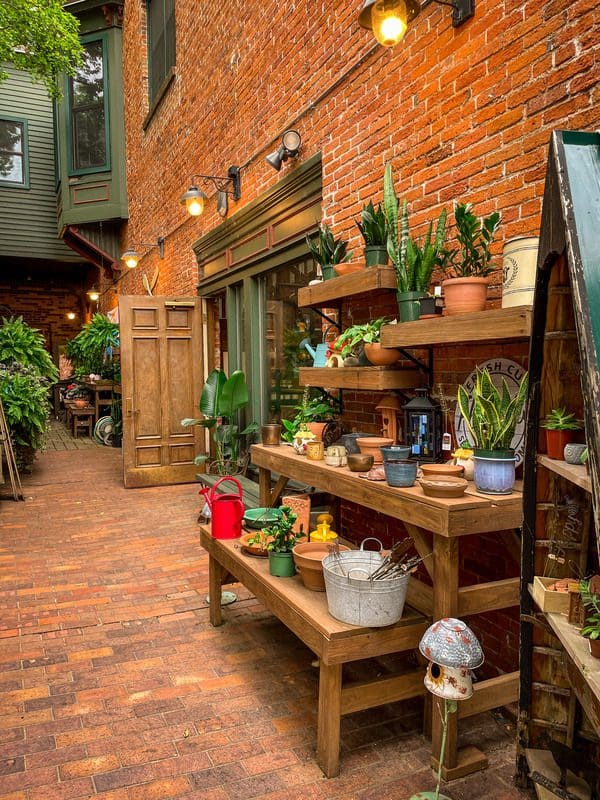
413	261
367	337
280	538
92	350
373	228
423	257
591	629
312	414
26	374
221	401
328	251
469	265
561	430
491	416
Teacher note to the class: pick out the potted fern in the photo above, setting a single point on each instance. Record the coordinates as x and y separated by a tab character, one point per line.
373	228
328	251
491	416
469	265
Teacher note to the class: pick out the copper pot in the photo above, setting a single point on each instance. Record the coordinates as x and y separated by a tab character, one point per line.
271	434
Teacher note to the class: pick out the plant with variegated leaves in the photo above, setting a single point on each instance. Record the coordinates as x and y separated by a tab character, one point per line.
491	415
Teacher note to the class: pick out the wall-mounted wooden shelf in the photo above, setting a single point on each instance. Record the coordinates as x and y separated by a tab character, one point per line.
576	473
497	324
336	289
367	378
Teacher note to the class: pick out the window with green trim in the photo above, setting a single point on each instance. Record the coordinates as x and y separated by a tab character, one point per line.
161	43
87	104
13	153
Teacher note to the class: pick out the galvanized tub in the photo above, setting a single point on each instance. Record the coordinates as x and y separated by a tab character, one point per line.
352	597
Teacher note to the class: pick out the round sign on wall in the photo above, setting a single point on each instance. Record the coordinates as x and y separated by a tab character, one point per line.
512	373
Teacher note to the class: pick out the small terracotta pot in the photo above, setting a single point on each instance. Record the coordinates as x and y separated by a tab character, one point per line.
347	267
594	647
381	356
463	295
317	428
371	445
556	441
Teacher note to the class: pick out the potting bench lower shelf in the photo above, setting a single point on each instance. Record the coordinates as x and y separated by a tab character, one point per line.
437	527
305	613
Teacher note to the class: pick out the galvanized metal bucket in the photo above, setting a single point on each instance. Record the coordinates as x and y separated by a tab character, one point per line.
352	597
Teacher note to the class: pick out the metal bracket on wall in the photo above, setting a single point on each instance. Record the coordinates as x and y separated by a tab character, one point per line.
328	319
427	368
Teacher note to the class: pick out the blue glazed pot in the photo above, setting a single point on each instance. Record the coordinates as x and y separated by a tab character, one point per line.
396	452
494	475
400	473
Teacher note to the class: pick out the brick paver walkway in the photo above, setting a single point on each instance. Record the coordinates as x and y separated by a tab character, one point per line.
114	684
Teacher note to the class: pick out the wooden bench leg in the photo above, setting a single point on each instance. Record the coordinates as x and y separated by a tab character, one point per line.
328	724
215	576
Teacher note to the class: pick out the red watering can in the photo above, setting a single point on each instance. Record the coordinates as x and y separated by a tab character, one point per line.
226	510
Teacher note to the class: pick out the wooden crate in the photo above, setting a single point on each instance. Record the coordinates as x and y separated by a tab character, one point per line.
554	602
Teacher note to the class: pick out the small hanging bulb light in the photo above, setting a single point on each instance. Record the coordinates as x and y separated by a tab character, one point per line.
94	295
389	20
71	315
131	258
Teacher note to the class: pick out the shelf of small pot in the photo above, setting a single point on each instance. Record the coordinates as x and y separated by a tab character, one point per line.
336	289
367	378
479	326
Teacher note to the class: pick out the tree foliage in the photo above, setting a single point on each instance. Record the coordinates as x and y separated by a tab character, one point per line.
39	37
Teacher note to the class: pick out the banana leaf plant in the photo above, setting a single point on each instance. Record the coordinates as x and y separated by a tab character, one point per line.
490	414
221	400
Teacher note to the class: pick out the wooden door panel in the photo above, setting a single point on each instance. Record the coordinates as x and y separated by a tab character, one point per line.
161	358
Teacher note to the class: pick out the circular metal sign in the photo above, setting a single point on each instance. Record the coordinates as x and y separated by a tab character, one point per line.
512	373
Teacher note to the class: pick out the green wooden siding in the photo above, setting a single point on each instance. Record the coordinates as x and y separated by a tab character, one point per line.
28	215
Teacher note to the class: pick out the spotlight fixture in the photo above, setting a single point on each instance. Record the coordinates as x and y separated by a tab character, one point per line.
93	294
132	257
194	198
388	19
289	148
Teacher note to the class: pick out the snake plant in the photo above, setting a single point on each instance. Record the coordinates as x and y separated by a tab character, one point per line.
491	415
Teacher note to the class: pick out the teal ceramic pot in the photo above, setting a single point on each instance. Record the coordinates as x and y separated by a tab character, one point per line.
400	473
494	475
327	271
281	565
396	452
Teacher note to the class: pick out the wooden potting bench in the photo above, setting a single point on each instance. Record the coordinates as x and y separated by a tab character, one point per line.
437	527
305	613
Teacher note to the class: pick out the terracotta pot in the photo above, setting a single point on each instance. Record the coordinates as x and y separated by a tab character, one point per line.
317	428
381	356
348	267
463	295
308	557
80	402
594	647
556	441
371	445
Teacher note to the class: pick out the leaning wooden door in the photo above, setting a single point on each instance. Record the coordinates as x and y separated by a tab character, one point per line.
162	372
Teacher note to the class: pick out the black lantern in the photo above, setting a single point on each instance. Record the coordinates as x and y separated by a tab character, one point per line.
423	427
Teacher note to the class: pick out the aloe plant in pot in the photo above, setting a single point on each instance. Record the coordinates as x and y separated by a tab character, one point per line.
561	430
491	416
373	228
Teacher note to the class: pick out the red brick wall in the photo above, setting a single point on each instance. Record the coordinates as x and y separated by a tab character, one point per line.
462	114
46	309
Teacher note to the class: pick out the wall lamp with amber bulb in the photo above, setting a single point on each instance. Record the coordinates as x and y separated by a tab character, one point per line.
93	294
132	257
195	198
388	19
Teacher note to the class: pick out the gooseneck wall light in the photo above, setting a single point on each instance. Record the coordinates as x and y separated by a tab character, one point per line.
132	257
195	198
289	148
389	19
